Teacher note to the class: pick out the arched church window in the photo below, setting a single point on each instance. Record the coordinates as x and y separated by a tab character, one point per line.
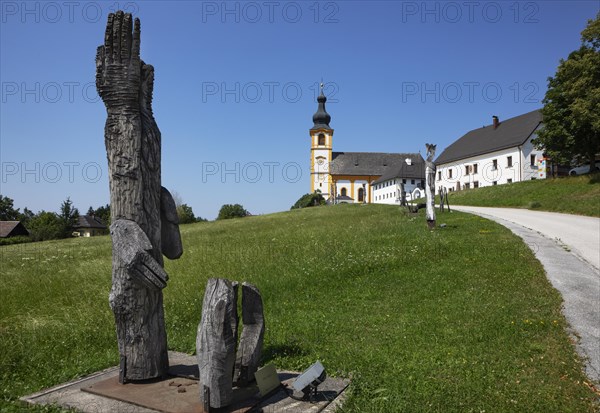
343	191
321	139
361	195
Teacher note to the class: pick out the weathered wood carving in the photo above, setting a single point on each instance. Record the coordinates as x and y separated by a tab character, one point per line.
430	185
250	347
402	195
443	198
144	220
217	337
441	192
216	340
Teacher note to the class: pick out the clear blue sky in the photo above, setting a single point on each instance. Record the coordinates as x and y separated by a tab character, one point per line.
236	82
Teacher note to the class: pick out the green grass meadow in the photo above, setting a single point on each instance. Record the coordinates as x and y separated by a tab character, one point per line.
572	195
459	319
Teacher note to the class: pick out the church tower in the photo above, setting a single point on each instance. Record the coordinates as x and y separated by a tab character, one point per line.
321	136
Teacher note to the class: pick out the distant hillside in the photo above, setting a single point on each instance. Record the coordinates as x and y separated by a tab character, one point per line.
573	195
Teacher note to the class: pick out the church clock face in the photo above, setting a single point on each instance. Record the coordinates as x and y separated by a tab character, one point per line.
320	161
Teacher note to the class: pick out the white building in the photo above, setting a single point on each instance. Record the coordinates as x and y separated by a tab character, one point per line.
408	177
496	154
89	226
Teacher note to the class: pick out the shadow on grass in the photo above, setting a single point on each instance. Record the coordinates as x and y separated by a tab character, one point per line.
594	179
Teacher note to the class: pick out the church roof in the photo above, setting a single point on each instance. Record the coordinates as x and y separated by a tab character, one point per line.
376	164
509	133
416	170
321	118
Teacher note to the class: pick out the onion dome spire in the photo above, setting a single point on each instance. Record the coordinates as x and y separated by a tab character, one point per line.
321	118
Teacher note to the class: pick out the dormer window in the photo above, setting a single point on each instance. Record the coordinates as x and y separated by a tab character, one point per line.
321	139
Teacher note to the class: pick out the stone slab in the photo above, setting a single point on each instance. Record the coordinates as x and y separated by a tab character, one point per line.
101	393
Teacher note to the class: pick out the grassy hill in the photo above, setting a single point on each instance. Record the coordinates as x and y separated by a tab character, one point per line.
573	195
461	319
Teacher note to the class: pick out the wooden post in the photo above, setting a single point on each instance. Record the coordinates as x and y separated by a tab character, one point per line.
402	195
430	185
142	212
217	337
250	347
215	342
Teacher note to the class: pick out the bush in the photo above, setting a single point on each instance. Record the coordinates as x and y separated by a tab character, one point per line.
19	239
45	226
229	211
309	200
185	214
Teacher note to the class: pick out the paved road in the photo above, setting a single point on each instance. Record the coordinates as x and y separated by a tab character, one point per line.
568	246
580	234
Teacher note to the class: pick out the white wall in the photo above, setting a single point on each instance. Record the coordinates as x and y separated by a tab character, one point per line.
320	172
388	192
536	170
521	170
321	175
357	185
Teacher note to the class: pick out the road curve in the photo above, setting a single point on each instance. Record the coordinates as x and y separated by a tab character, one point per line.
568	246
581	234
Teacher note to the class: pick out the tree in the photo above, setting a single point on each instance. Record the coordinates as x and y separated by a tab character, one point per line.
229	211
45	226
26	216
309	200
185	214
102	212
571	111
7	210
69	217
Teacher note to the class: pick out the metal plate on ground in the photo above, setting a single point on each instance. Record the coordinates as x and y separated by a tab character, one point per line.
174	395
93	400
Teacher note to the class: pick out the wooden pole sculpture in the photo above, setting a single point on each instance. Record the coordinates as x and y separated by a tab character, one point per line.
219	368
430	185
215	342
402	195
144	219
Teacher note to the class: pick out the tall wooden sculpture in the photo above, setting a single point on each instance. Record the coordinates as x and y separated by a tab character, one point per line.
144	220
430	185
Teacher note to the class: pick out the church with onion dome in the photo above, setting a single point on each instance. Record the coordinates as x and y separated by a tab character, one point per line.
360	177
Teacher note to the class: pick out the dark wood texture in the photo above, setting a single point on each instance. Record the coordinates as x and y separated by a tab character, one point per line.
215	342
402	195
430	185
444	198
133	143
169	223
251	341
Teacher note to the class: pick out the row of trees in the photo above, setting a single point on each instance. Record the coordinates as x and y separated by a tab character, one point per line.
50	225
44	225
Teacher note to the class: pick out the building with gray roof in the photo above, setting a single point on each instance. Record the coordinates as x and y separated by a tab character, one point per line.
499	153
